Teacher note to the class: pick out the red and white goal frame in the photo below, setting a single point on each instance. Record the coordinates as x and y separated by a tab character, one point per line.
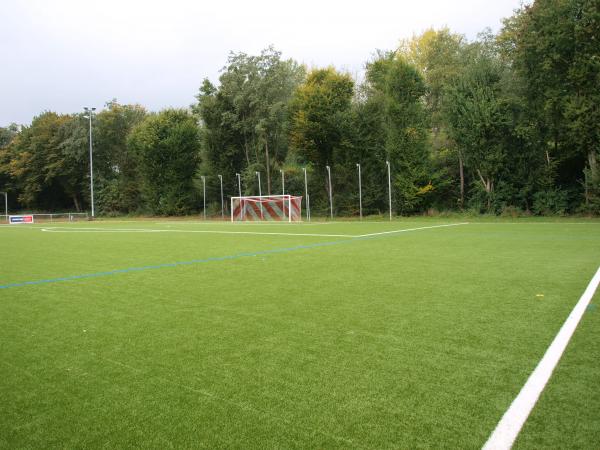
286	208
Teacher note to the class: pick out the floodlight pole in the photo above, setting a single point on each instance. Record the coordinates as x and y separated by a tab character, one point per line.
330	193
359	191
5	204
204	196
306	194
260	195
89	112
239	178
389	187
222	210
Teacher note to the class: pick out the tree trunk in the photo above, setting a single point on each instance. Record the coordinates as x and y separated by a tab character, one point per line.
76	202
593	162
246	150
268	166
591	176
462	180
586	188
488	185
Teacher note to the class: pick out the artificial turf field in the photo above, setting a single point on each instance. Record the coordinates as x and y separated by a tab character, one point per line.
186	334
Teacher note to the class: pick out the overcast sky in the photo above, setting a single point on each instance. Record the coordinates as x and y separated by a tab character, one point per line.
61	55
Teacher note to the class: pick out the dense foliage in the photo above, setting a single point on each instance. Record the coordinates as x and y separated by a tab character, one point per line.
167	147
507	123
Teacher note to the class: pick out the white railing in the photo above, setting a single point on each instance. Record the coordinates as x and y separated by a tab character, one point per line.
56	217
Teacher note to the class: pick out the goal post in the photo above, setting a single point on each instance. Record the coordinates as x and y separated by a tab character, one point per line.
285	208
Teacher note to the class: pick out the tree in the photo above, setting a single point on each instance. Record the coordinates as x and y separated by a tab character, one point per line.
484	118
168	147
32	155
116	167
7	134
320	113
555	47
245	119
439	56
398	89
67	164
48	162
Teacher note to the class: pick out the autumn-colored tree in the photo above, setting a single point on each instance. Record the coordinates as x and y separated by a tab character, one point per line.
320	114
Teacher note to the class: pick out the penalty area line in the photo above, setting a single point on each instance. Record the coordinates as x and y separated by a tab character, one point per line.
241	224
515	416
202	261
404	230
148	230
251	233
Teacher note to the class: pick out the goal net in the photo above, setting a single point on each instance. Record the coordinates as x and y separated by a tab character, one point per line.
267	207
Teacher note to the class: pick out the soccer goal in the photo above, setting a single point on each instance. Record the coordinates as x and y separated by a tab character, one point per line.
266	207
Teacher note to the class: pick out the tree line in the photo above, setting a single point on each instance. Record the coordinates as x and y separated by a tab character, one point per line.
505	123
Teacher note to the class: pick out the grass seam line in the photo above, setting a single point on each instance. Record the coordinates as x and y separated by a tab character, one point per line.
213	258
307	431
511	423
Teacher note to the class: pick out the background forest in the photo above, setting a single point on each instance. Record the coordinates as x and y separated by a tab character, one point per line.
506	124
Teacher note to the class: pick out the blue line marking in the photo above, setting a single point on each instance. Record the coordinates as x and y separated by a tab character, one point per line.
174	264
211	259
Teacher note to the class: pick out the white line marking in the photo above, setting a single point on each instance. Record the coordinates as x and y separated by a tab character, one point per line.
537	223
513	419
404	230
341	222
145	230
238	224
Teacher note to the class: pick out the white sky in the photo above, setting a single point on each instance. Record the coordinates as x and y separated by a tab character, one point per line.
61	55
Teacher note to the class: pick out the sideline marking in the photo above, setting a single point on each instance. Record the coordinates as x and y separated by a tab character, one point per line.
207	260
515	416
148	230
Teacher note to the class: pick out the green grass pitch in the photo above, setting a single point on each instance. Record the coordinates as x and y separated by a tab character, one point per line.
184	334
